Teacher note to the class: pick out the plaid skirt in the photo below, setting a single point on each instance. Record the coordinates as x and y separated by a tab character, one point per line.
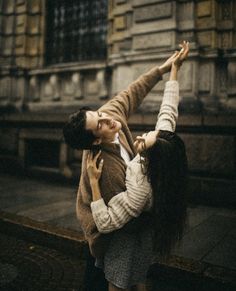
128	258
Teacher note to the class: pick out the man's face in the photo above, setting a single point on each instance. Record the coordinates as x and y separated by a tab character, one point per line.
102	125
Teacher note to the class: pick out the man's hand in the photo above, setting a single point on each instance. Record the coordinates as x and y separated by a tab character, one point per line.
165	68
182	55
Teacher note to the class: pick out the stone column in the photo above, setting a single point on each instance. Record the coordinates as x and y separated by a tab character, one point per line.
21	47
77	84
103	94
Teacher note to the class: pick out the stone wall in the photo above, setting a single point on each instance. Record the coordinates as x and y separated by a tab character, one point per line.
35	99
146	32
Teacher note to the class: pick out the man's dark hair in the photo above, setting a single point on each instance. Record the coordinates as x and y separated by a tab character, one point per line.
75	133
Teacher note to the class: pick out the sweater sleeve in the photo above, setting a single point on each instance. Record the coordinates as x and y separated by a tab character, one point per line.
168	113
125	205
127	101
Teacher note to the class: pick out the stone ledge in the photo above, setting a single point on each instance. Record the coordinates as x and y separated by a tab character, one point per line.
70	67
58	113
212	191
193	274
65	240
182	270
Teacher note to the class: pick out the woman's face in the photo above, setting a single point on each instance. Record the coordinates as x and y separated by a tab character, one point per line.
145	141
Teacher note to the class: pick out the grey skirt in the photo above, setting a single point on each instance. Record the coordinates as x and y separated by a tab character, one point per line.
128	258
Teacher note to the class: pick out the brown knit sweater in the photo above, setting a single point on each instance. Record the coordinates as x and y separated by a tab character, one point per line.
112	180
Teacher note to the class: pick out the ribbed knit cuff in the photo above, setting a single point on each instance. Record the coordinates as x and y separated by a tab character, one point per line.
97	205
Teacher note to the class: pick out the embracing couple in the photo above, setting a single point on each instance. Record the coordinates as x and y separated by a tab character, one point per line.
131	201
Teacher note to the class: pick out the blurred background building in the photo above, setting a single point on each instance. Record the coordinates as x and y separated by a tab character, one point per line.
56	56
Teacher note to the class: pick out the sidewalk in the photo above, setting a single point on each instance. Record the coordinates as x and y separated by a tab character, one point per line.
45	212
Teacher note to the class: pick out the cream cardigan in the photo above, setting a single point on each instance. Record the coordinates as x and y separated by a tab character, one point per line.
138	195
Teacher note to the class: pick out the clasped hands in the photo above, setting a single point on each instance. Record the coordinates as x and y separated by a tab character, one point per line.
94	164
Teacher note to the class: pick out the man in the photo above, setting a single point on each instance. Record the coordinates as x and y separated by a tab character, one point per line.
108	130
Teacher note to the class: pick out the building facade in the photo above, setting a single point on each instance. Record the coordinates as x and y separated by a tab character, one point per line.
56	56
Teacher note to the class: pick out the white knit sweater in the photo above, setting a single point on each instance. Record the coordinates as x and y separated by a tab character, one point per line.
138	195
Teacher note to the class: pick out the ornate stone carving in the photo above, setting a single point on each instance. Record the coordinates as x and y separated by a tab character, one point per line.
146	2
8	6
31	47
153	12
33	26
226	10
120	22
153	40
21	7
34	6
226	37
206	38
203	8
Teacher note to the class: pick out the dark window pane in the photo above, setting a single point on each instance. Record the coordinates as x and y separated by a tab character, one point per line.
76	30
42	153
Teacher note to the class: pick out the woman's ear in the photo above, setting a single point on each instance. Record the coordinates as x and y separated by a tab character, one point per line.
97	141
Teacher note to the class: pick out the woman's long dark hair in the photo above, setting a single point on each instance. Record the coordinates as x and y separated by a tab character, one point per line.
167	173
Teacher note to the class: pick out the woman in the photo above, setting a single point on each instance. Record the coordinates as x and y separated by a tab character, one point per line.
155	182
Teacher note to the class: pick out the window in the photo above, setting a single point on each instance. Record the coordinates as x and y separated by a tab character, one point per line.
76	30
42	153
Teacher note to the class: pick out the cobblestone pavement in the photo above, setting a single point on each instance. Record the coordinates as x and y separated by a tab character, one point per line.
29	267
44	213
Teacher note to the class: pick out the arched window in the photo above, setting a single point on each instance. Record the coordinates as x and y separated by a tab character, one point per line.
76	30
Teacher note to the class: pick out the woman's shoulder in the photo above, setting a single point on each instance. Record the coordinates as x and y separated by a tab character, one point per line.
134	168
135	162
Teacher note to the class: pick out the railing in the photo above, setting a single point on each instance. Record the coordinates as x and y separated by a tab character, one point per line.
76	30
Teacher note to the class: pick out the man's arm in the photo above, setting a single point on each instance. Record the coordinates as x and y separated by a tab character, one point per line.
124	206
127	101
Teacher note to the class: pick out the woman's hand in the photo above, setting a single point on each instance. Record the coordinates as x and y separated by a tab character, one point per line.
93	171
181	55
178	60
165	68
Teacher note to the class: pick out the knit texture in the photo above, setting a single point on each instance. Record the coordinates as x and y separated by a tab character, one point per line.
138	195
112	180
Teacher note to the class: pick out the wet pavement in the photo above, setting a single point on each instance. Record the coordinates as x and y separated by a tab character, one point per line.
39	201
25	266
39	228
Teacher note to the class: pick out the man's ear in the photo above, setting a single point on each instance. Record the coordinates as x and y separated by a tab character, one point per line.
97	141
